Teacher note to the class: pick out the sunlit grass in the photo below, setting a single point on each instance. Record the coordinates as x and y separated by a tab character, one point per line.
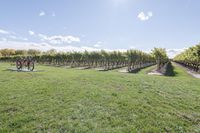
70	100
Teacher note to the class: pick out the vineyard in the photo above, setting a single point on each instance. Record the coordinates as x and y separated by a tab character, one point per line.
63	98
99	66
190	58
133	60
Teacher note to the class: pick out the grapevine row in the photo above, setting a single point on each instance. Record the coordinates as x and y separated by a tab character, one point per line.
132	59
190	58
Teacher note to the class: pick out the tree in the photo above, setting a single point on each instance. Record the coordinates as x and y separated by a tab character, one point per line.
51	52
21	52
7	52
104	59
33	52
160	55
138	59
190	58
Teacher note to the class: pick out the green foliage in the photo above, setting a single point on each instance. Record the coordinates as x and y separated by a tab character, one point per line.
7	52
190	58
51	52
33	52
190	55
21	52
168	69
160	55
106	60
138	59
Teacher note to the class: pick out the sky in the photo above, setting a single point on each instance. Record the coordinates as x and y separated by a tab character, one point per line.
77	25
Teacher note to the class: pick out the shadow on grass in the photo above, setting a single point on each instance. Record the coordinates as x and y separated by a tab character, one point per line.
137	70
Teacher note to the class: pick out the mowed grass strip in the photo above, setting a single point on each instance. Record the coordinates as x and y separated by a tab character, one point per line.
70	100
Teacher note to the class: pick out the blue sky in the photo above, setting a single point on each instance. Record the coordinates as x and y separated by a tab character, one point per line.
99	24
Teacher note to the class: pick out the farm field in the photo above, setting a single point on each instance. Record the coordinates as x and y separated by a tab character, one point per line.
71	100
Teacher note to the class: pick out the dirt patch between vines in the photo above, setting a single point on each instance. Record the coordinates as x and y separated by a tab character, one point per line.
23	70
99	69
196	75
155	72
82	68
123	70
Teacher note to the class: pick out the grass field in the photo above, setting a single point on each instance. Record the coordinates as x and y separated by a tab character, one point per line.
70	100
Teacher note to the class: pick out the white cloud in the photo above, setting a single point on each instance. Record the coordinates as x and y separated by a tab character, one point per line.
25	39
132	47
143	17
12	37
46	46
58	39
4	43
173	52
4	31
98	44
42	13
42	37
42	46
15	37
89	48
31	33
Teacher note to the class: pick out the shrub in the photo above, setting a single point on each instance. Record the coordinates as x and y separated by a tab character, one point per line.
168	69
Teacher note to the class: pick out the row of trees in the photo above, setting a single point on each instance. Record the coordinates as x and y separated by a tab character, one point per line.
12	52
190	58
106	60
132	59
161	57
138	59
99	59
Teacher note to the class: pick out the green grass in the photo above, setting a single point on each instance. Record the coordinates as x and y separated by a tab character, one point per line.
147	70
70	100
